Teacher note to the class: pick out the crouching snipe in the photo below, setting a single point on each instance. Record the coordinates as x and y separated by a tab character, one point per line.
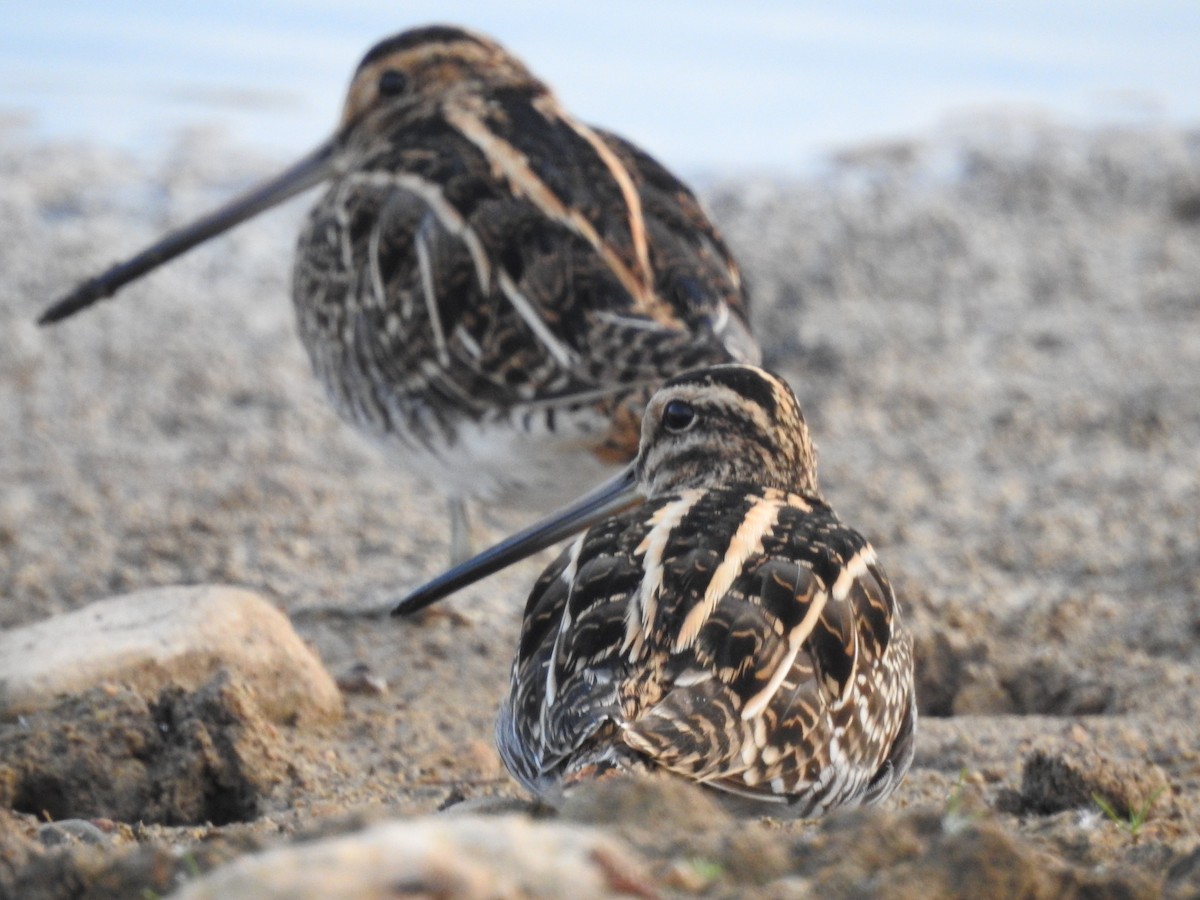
729	628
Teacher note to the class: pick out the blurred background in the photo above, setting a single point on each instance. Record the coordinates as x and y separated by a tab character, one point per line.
763	86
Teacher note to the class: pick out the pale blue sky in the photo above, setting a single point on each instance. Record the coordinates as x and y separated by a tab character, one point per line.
705	85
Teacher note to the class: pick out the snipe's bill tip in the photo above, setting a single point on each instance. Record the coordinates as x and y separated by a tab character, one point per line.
67	306
53	314
405	607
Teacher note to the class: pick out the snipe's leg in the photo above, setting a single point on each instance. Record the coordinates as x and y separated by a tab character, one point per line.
460	530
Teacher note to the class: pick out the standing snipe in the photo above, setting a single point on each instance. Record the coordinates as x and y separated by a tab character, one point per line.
488	285
730	629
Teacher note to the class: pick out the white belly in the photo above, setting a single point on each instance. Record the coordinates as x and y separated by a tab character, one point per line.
537	470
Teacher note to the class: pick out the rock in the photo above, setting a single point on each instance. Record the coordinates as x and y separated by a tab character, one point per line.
442	856
185	758
71	831
173	635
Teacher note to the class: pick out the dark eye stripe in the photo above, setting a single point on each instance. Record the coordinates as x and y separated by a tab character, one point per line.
749	383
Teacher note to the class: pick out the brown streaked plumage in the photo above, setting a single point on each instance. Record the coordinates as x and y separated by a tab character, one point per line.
487	284
729	628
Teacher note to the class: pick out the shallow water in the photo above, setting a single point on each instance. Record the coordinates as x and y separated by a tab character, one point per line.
770	86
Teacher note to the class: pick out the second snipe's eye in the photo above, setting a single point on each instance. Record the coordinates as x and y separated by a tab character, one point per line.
392	83
678	416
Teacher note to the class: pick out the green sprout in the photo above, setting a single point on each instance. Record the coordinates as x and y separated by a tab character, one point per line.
1131	824
958	815
708	870
957	796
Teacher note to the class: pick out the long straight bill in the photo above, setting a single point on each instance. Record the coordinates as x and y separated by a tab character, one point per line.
613	496
310	171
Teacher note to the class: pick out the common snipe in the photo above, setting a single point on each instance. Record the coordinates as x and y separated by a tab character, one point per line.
488	285
729	629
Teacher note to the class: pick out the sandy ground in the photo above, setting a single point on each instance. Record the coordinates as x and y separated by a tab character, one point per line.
995	332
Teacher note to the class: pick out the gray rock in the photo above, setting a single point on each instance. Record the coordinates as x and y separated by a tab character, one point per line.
70	831
460	856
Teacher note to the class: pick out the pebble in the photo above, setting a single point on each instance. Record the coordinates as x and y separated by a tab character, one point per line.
360	679
71	831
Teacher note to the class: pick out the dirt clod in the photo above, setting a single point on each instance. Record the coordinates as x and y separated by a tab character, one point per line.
181	758
1055	781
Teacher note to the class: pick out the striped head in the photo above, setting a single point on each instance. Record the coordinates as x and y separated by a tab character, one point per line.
423	68
723	425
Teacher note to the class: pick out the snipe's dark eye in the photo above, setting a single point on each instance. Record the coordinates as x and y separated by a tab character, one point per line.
678	416
392	83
